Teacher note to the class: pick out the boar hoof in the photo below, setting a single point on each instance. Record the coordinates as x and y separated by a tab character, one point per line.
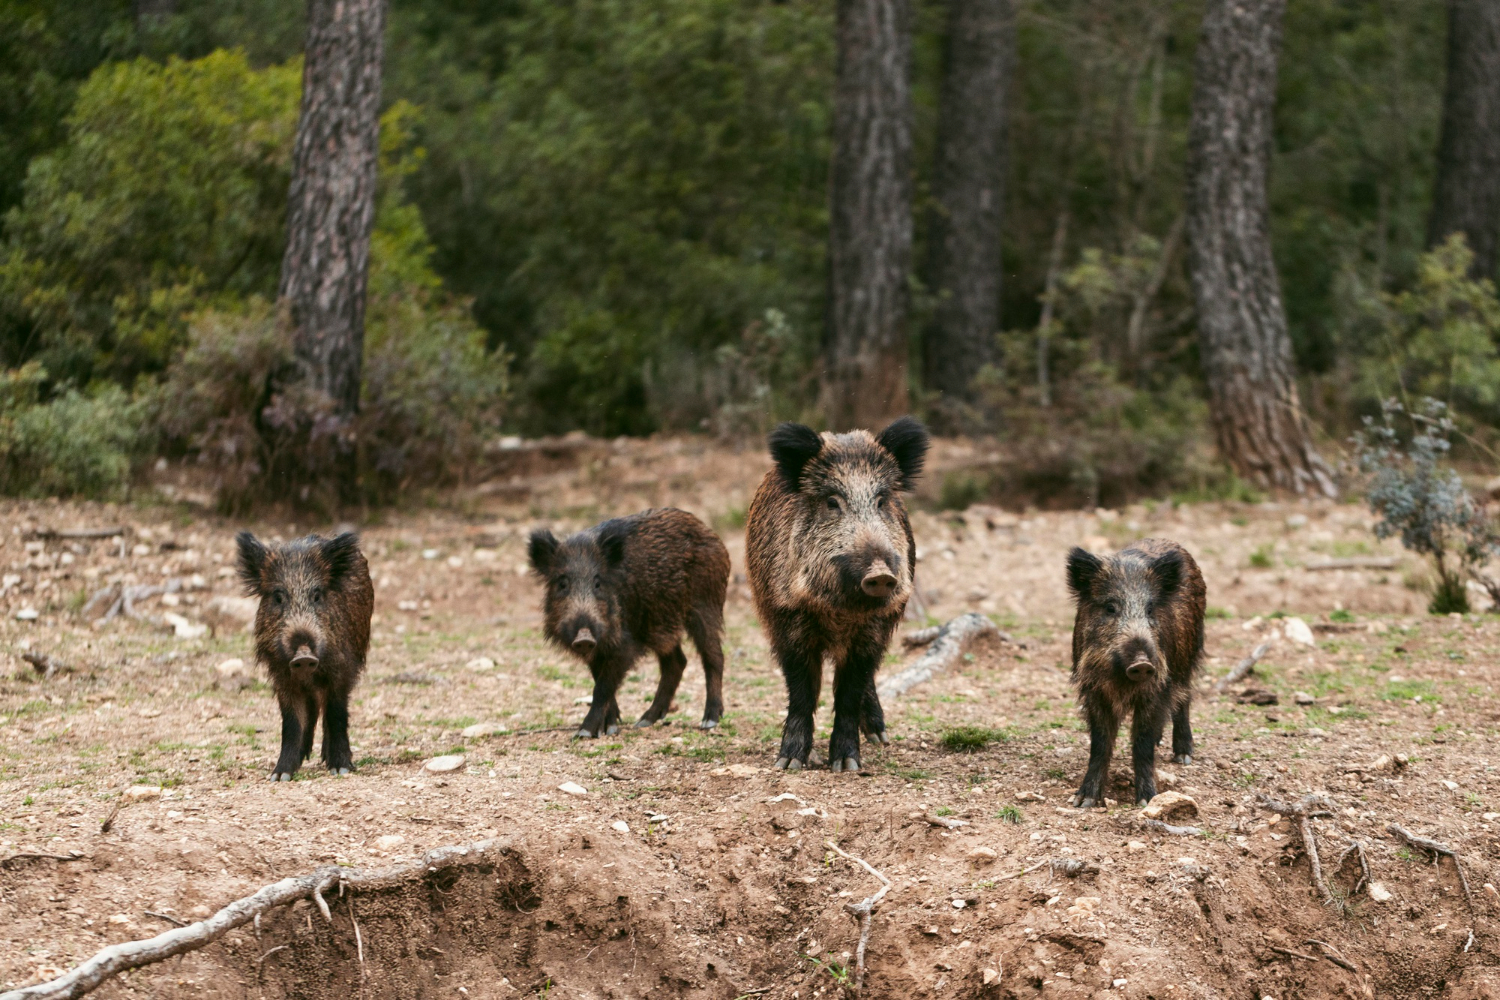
1142	803
584	734
788	764
612	729
1182	758
281	776
709	724
847	764
645	723
879	737
1083	802
341	771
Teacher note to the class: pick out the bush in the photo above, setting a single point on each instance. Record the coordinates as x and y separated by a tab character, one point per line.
74	443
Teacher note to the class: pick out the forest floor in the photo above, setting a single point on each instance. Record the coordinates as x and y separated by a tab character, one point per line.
689	868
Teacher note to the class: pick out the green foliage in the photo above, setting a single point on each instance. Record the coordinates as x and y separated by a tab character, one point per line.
968	739
72	443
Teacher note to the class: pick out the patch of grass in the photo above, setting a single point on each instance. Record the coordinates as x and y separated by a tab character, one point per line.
1057	774
1261	557
908	773
1009	814
1214	612
1407	690
1341	615
969	739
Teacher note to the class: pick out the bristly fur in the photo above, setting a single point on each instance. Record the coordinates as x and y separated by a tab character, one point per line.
826	514
315	593
1145	604
637	583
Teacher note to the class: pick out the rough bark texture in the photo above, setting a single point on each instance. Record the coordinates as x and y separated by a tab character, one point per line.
332	201
1466	195
1247	352
864	378
968	188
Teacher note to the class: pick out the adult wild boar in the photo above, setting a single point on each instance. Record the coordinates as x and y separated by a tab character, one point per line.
629	586
312	632
1137	643
831	559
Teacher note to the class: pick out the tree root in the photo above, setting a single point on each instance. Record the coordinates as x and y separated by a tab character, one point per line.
1308	808
118	958
864	911
1178	831
1331	953
1356	848
1437	850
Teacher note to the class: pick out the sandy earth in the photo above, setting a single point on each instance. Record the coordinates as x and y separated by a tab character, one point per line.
691	869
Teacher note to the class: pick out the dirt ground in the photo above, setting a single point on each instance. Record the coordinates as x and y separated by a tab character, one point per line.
689	868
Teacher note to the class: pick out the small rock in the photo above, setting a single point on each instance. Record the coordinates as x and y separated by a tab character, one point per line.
1315	731
1170	805
1135	845
390	841
120	918
983	855
1380	893
1303	698
959	904
141	792
620	826
407	605
1297	631
481	663
28	615
430	553
990	975
1297	521
736	771
1452	786
587	699
230	667
931	930
1119	982
1030	797
183	628
479	729
454	562
445	763
572	788
1258	696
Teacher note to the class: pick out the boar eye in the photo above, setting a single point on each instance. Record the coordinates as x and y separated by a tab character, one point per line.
1111	607
317	595
278	597
833	503
881	498
561	585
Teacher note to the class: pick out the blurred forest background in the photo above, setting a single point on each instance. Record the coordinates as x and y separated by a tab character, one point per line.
614	217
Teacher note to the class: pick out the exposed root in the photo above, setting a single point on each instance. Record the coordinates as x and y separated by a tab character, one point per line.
167	917
1358	849
111	961
863	910
1331	953
1294	954
1308	808
946	648
1437	850
944	821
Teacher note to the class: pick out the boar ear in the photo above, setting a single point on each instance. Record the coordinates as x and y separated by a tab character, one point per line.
340	552
1083	567
612	536
792	447
541	549
1167	568
252	562
906	440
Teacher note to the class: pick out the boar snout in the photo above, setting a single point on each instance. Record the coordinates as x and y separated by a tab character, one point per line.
878	581
1141	669
304	657
584	642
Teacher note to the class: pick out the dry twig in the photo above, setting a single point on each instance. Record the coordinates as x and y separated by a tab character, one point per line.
47	666
47	534
1294	954
1243	668
165	916
1356	848
863	910
1437	850
1331	953
1307	809
946	649
111	961
8	861
944	821
1179	831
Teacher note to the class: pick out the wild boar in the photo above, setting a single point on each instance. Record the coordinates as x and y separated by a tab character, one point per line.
312	632
629	586
831	560
1137	644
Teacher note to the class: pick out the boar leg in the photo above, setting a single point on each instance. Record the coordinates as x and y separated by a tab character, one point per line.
1104	725
336	752
1182	735
607	677
1145	733
672	666
851	682
294	723
310	724
803	670
872	716
705	632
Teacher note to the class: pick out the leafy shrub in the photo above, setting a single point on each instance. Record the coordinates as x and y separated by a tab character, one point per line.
1422	499
73	443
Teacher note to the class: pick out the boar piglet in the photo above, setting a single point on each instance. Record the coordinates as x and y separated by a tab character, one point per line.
312	632
630	586
831	556
1137	643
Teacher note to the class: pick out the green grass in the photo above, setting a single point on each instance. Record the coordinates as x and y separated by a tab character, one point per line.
1341	615
1261	557
1407	690
1214	612
1009	814
968	739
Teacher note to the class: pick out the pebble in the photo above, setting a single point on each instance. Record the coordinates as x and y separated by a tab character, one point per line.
1380	893
572	788
455	562
481	663
445	763
620	826
390	841
990	975
140	792
28	615
1170	804
959	904
1030	797
1297	631
183	628
1136	845
1452	786
479	729
230	667
430	553
983	855
587	699
1303	698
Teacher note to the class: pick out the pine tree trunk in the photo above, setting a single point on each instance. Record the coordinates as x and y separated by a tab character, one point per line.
864	378
332	202
1466	194
1247	353
968	188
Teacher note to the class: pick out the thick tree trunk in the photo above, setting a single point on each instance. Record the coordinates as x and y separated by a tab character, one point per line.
332	201
1466	195
864	378
968	187
1247	352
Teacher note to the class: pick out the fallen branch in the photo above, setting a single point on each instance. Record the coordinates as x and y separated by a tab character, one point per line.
944	821
1355	847
47	666
1177	831
46	534
105	597
1243	668
1294	954
1027	871
1309	808
118	958
945	650
1060	866
863	910
6	862
1437	850
165	916
1331	953
1354	562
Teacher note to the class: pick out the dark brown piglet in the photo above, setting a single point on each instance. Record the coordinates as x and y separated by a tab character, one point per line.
630	586
312	632
1137	644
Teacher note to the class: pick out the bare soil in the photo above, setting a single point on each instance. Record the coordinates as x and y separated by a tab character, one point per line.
689	868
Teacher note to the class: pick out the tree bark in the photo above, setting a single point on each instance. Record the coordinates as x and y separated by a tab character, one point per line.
968	189
1466	195
1246	350
864	377
332	201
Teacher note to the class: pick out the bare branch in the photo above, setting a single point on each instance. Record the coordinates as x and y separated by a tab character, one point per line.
863	910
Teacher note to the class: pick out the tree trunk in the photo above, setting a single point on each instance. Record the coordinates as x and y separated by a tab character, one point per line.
332	201
968	188
1247	353
1466	194
864	377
